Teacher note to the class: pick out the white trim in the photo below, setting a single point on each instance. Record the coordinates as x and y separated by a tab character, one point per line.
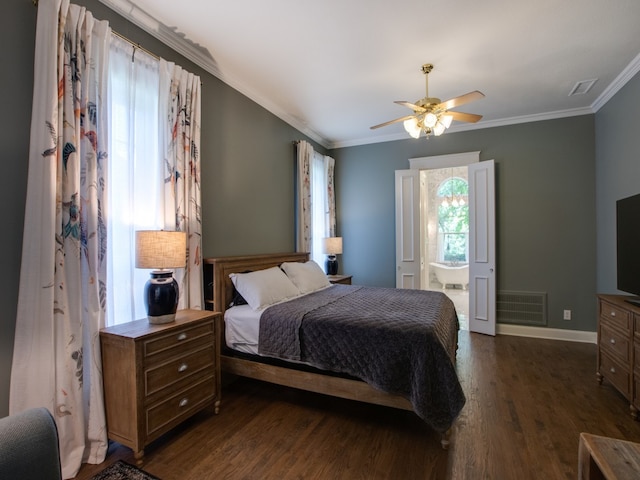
620	81
548	333
203	58
199	55
464	127
444	161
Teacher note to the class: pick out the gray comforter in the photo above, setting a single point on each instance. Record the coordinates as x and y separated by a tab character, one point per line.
397	340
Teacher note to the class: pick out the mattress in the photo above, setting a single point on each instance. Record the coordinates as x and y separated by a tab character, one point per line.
242	327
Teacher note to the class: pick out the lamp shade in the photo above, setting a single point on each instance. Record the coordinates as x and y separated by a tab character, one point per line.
161	249
332	245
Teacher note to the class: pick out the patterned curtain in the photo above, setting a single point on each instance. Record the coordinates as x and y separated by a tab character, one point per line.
303	197
61	304
331	195
180	107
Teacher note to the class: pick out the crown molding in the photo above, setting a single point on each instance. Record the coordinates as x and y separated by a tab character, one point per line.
620	81
203	58
199	55
464	127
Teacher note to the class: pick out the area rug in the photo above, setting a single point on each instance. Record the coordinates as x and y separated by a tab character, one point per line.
123	471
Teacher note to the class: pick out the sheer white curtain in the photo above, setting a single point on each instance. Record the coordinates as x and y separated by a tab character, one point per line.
315	201
61	304
135	173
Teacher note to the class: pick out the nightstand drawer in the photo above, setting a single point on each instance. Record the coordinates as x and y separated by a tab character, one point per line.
164	415
174	372
175	342
616	373
615	343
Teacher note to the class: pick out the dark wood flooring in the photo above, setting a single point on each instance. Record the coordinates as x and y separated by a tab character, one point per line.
527	402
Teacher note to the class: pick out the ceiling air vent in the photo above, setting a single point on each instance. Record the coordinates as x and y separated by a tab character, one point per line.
522	308
582	87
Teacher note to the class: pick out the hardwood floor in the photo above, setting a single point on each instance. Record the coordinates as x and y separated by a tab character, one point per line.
527	402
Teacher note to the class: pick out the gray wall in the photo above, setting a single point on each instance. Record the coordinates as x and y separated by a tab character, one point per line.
617	172
247	183
545	209
546	187
17	30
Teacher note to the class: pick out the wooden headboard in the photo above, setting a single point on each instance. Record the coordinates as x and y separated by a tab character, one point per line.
223	266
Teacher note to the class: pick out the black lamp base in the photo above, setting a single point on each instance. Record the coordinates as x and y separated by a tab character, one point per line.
161	297
331	265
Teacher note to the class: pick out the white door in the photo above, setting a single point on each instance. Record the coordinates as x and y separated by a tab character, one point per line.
482	251
408	229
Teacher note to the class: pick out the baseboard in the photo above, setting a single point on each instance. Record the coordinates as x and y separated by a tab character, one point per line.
548	333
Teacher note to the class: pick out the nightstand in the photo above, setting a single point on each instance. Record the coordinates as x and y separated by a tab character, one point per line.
157	376
343	279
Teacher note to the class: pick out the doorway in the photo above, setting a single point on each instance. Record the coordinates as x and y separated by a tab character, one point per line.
481	309
444	235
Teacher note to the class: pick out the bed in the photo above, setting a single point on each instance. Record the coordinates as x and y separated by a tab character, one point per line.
288	356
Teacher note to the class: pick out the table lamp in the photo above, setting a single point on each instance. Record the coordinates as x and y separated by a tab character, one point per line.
332	246
161	250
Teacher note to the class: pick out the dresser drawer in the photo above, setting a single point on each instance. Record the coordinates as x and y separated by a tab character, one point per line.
614	315
174	372
616	373
163	415
176	341
615	343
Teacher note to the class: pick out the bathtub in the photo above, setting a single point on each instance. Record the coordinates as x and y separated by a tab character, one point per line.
451	274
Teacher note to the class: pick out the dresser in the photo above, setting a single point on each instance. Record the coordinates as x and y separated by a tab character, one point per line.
619	347
157	376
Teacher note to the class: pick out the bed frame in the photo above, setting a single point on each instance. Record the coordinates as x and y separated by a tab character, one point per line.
309	381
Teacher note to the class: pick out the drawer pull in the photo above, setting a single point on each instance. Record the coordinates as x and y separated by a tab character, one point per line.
184	366
612	370
182	336
613	341
613	314
183	402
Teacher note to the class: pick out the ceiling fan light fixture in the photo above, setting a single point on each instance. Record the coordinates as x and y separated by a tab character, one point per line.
412	127
439	129
430	119
432	116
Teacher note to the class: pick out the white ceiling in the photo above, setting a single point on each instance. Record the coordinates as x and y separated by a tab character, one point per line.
332	68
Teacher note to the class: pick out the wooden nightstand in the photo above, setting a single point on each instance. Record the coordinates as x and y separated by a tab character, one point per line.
156	376
343	279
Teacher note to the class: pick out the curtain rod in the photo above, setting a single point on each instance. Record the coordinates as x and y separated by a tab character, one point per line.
135	45
119	35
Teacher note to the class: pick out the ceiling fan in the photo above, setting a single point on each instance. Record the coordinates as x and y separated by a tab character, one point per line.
430	115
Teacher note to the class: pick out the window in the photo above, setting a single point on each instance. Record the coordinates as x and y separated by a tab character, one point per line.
453	221
320	218
135	174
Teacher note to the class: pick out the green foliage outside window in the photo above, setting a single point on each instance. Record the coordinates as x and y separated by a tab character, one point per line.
453	219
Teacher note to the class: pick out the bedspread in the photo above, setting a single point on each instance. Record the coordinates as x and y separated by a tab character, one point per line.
400	341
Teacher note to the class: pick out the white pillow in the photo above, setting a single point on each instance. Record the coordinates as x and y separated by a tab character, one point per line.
308	277
264	287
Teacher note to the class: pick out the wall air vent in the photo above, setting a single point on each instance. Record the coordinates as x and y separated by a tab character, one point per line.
522	308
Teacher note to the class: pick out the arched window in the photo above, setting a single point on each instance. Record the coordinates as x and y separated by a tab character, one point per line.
453	221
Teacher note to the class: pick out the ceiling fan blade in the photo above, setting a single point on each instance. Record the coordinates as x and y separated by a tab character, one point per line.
464	117
412	106
401	119
461	100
